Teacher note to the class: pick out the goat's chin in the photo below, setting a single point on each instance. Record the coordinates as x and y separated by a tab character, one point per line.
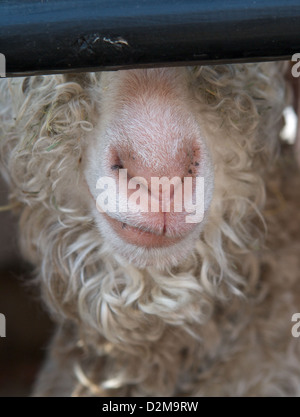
160	256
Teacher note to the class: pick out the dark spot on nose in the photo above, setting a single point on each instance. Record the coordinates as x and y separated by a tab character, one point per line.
190	171
116	167
196	164
123	225
79	160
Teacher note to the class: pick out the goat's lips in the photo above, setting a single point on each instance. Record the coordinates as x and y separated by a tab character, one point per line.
140	237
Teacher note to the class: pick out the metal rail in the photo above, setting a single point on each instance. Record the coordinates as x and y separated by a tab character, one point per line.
55	36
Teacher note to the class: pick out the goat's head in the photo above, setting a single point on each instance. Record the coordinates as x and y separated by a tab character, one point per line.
215	124
148	132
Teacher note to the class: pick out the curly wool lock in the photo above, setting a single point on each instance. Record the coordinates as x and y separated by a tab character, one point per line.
162	329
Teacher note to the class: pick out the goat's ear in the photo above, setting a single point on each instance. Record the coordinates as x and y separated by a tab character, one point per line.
293	79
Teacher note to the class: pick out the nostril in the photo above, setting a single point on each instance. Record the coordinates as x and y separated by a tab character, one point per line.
116	167
119	159
115	161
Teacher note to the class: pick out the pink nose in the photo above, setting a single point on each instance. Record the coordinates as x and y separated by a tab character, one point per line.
164	211
185	163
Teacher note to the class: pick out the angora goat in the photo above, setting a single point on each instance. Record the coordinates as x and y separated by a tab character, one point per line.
146	303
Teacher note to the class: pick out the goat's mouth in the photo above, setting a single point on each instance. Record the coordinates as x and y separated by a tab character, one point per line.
139	236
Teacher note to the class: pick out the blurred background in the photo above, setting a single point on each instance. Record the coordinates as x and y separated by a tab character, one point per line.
28	328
